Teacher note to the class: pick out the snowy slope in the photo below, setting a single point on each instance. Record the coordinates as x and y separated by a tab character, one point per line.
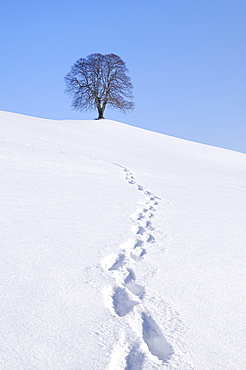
120	249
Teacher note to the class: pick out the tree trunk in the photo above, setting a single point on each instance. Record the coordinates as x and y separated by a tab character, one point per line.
100	112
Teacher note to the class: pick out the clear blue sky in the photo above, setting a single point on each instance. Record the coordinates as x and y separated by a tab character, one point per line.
186	59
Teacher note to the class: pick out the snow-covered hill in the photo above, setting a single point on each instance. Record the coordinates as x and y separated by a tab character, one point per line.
120	249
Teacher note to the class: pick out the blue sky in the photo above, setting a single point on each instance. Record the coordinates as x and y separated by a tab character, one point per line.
186	59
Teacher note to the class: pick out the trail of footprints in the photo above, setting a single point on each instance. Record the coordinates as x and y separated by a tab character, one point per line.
127	296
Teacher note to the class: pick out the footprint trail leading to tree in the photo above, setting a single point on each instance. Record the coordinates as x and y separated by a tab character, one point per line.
141	341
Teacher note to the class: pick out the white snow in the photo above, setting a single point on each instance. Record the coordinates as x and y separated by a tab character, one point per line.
120	249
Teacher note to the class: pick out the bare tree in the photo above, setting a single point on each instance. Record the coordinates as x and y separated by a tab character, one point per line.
97	81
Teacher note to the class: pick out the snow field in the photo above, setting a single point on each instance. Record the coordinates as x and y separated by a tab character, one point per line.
120	248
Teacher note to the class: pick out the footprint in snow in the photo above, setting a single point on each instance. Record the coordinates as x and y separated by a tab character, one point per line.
135	359
153	337
120	261
136	289
132	286
122	303
138	253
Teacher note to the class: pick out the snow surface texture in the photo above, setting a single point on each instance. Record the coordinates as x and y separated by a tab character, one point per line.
120	249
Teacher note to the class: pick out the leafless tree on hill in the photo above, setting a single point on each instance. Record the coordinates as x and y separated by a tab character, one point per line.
99	81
